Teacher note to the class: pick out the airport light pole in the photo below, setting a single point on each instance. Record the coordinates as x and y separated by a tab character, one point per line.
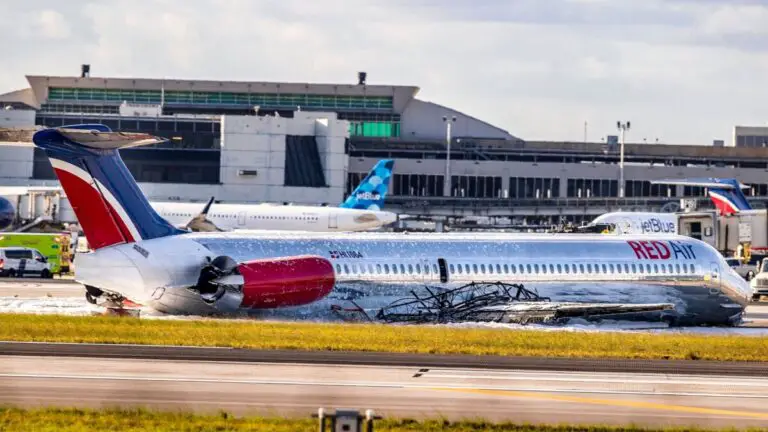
447	180
623	128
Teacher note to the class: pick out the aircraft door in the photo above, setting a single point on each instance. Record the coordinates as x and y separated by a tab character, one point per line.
241	218
333	220
442	266
714	283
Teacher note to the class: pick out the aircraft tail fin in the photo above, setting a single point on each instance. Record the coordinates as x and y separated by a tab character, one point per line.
104	195
372	191
726	194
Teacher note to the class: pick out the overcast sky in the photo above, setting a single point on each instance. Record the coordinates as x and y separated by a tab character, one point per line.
681	71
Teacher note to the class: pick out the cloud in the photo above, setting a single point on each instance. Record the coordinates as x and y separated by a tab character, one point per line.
683	71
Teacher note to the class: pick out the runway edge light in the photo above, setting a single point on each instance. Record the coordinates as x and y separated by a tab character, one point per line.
346	420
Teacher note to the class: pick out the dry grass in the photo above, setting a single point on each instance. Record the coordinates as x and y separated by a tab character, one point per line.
79	420
379	337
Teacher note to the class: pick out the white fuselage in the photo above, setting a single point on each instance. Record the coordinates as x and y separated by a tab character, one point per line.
644	223
384	267
230	217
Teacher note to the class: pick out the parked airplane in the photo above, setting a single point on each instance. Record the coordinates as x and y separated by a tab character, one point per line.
139	256
725	194
360	211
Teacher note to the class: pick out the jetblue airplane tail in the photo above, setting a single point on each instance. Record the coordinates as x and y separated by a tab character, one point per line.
372	191
725	193
104	195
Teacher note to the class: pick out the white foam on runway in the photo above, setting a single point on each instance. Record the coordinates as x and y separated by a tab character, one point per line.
77	306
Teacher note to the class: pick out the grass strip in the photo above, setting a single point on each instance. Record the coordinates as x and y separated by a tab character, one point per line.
379	338
138	420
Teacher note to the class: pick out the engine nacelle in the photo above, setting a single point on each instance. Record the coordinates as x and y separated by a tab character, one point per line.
289	281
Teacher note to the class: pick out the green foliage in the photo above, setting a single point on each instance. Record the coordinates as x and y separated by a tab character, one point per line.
380	337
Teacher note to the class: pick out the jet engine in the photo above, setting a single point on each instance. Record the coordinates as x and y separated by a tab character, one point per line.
270	283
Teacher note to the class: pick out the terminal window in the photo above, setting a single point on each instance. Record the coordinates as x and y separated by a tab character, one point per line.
341	102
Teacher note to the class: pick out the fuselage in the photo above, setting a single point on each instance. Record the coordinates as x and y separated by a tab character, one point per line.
384	267
639	222
276	217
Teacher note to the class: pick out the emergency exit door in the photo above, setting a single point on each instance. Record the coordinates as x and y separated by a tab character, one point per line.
443	268
333	220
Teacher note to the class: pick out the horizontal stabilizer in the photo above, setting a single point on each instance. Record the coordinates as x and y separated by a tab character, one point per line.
98	137
711	183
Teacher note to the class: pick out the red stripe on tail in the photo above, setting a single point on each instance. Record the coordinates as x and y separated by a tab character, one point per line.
93	213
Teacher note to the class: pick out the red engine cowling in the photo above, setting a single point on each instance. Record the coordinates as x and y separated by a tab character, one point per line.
289	281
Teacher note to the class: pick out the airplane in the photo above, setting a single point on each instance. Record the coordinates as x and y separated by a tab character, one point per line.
360	211
725	194
140	257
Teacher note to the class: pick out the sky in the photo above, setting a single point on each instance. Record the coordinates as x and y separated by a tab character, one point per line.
680	71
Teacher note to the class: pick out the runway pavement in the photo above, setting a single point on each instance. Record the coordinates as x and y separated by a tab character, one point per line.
299	389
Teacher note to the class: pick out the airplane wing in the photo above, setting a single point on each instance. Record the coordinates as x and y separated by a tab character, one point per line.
526	312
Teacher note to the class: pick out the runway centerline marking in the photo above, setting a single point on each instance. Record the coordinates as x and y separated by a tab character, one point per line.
611	402
402	385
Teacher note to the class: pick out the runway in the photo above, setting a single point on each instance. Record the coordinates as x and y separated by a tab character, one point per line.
417	392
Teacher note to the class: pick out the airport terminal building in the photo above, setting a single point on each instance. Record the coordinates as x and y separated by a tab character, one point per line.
311	144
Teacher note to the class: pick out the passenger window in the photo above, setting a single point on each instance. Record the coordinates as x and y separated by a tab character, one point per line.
410	268
482	268
648	268
370	268
551	268
543	269
506	269
671	268
640	267
426	269
394	268
386	268
354	268
677	268
512	268
536	268
362	268
459	268
490	268
498	268
559	268
402	268
474	268
434	269
655	268
567	268
528	268
466	268
418	268
346	269
610	266
634	268
452	268
618	268
338	269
